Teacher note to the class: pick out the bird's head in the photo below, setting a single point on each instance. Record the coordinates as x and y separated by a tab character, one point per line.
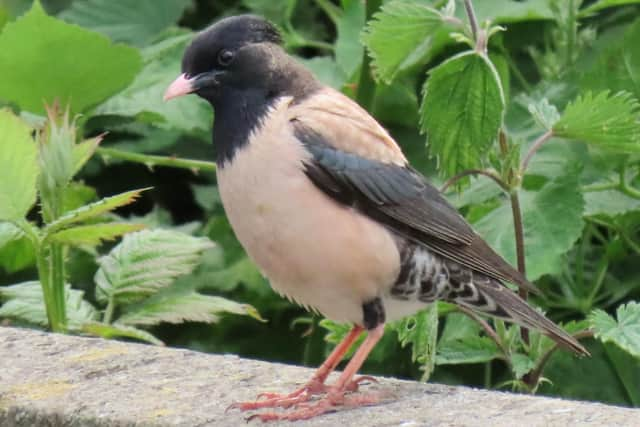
239	53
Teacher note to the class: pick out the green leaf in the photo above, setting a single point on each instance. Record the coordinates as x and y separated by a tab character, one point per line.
460	134
618	66
610	203
118	331
521	364
8	233
610	121
144	96
83	151
94	234
605	4
145	262
326	70
421	331
544	113
43	59
510	11
19	166
461	342
93	210
552	221
135	22
623	331
401	33
172	307
25	301
349	50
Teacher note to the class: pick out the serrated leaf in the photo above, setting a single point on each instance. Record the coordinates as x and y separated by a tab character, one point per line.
116	330
93	210
17	255
94	234
461	342
183	307
552	221
144	96
610	121
39	61
624	331
461	134
135	23
544	113
83	151
25	301
399	35
19	166
421	331
145	262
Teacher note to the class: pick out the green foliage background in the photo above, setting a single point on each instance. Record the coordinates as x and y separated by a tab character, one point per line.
562	73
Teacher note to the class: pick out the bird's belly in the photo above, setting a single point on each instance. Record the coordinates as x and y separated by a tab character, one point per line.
314	251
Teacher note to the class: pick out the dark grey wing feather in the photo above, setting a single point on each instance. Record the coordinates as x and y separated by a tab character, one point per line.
400	198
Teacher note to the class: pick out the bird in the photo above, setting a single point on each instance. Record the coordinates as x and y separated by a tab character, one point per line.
328	207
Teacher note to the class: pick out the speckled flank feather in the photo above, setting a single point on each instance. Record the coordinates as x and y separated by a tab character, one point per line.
426	277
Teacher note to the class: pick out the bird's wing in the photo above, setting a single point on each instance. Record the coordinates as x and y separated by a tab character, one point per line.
355	161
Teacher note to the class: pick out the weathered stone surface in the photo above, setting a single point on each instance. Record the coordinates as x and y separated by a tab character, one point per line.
56	380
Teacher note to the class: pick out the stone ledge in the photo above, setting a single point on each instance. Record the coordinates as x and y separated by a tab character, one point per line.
57	380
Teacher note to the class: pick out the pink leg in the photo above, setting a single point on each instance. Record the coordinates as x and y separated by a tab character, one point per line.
336	395
314	386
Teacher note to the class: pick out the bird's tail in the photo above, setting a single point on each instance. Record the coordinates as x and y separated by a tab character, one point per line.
499	301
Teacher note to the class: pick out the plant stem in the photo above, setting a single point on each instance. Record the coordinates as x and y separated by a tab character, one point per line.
470	172
366	86
473	21
332	11
152	161
534	148
57	285
535	374
108	312
487	329
519	235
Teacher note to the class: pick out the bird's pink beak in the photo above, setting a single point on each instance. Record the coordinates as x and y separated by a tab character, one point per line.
180	86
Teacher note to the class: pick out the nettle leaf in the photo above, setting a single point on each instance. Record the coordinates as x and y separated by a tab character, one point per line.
43	59
144	96
145	262
8	233
460	134
25	301
461	342
399	35
83	151
94	234
19	166
605	4
521	364
552	221
610	121
348	47
544	113
421	331
623	331
116	330
93	210
618	66
609	203
172	307
125	21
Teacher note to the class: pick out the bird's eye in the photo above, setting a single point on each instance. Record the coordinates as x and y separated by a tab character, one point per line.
225	57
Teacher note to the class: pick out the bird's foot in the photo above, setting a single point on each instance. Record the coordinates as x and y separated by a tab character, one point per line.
328	403
303	394
277	400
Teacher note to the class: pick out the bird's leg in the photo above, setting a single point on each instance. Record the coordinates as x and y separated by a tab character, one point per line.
314	386
336	393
